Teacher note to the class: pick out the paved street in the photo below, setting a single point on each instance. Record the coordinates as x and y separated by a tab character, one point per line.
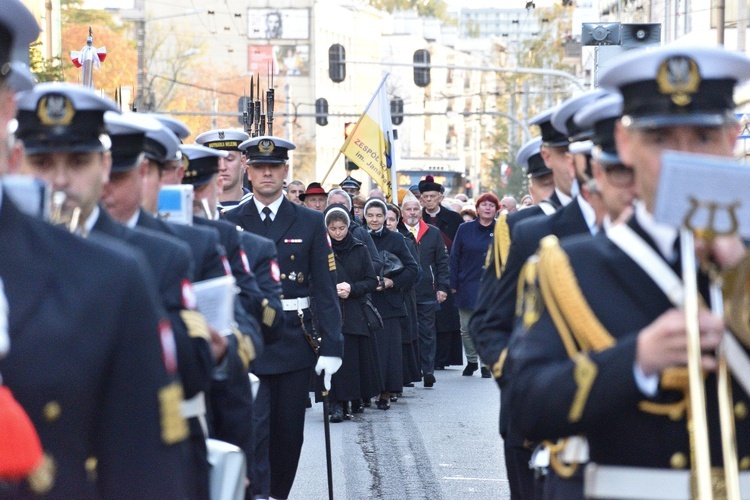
432	444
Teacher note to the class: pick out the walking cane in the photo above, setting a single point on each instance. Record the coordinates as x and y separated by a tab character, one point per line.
327	427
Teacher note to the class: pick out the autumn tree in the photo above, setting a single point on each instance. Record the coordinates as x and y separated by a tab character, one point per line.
119	69
527	95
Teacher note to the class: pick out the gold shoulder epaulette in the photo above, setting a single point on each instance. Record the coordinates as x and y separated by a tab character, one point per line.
579	328
568	307
501	244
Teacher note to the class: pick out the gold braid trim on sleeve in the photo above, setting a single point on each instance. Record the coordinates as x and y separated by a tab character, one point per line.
245	348
196	324
501	244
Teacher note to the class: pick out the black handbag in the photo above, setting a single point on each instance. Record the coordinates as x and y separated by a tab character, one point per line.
392	265
374	320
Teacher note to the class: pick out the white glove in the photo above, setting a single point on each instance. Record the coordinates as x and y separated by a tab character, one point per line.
328	365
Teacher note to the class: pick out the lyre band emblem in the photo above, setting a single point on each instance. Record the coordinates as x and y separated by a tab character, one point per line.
710	231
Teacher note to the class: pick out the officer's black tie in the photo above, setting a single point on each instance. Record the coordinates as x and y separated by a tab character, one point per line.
267	221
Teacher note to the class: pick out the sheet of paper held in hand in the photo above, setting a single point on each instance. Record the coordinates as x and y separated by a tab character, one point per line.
215	299
691	186
694	187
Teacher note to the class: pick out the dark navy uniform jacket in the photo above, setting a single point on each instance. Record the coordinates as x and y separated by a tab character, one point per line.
87	364
307	269
263	261
171	263
497	302
250	294
230	398
625	300
204	244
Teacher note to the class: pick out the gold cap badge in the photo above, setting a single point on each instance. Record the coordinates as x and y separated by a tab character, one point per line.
679	78
266	146
55	110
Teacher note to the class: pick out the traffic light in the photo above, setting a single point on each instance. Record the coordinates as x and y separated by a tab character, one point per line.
321	112
421	74
337	63
348	129
397	111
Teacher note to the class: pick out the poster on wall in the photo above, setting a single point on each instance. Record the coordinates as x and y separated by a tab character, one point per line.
278	24
283	60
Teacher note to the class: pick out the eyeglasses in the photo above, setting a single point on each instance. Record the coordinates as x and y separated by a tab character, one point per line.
619	175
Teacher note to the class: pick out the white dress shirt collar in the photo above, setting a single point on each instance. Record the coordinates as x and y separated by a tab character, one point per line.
663	235
274	206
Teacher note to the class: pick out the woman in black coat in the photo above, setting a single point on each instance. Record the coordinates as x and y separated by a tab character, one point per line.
356	279
389	298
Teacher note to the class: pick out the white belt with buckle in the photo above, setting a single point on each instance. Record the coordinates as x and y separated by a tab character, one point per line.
295	304
635	483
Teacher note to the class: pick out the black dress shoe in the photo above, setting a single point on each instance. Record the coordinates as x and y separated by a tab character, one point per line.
367	403
337	413
410	384
470	369
394	398
383	404
486	373
345	409
358	406
429	380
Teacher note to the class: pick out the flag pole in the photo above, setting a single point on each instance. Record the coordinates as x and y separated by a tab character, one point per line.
394	175
356	125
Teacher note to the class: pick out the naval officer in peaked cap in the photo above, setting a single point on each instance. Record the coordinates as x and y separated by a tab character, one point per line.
308	280
91	394
629	350
231	167
351	185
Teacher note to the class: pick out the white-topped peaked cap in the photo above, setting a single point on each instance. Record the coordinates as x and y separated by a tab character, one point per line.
178	128
226	139
529	157
602	115
550	135
562	119
266	149
62	117
128	134
201	163
18	29
677	85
